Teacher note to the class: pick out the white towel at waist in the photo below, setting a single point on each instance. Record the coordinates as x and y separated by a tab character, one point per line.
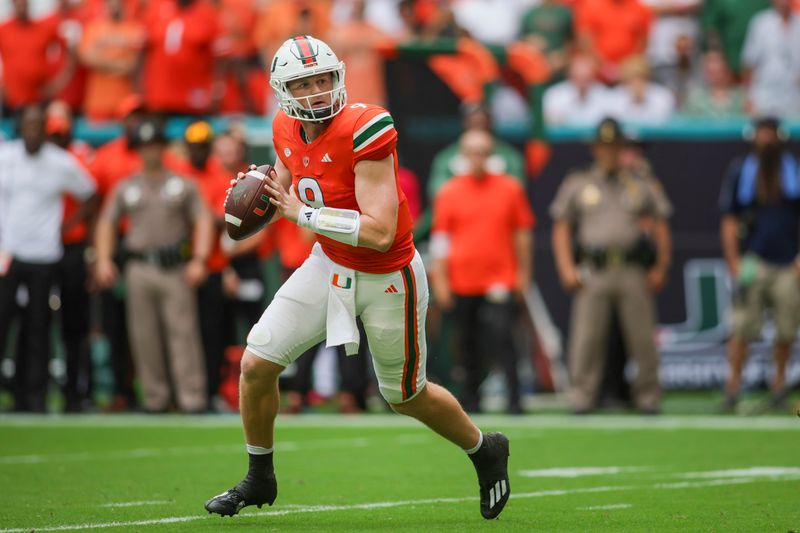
341	322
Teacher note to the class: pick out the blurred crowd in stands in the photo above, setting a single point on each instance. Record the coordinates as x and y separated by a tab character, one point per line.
139	62
644	60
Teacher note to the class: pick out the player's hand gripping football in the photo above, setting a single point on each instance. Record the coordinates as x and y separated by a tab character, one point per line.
239	175
287	202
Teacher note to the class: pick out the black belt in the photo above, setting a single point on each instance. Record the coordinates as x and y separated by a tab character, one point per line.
606	258
170	257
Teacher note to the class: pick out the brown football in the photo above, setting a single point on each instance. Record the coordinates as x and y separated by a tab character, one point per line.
247	206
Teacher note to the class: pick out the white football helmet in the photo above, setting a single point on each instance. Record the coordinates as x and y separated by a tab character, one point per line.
300	57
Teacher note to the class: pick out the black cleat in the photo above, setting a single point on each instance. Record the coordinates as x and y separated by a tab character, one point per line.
248	492
491	464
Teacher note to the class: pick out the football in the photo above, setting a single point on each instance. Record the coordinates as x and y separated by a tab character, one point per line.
247	206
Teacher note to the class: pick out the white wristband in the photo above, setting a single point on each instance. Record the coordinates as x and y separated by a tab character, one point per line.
338	224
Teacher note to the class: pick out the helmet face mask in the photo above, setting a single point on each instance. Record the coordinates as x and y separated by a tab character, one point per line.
302	57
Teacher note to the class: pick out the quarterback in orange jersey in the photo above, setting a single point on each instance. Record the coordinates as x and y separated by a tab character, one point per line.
336	174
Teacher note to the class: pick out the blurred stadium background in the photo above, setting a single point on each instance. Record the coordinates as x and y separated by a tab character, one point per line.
431	62
428	61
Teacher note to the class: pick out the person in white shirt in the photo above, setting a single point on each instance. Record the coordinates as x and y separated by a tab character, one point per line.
34	176
675	19
771	61
637	99
494	22
580	100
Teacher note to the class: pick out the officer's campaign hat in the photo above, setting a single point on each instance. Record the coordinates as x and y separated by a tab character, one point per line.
609	131
149	132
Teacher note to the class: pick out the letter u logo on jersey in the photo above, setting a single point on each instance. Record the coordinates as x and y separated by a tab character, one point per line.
337	282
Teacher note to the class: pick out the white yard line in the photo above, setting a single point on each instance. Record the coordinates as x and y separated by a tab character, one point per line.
756	471
404	503
601	422
136	504
581	471
606	507
180	451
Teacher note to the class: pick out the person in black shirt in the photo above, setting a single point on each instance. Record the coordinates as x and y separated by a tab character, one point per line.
760	206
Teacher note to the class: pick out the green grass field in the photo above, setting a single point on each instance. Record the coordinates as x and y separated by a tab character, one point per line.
387	473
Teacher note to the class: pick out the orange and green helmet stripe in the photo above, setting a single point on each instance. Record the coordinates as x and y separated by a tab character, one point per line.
304	51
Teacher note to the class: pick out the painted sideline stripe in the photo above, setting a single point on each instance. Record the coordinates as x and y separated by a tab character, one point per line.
136	504
756	471
179	451
401	503
606	507
580	471
601	422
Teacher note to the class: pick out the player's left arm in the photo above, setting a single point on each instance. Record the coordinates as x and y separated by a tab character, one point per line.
376	194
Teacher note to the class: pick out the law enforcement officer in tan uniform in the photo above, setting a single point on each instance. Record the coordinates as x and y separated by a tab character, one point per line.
611	243
166	248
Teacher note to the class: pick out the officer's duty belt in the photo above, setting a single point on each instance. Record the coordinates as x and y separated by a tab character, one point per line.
169	257
602	258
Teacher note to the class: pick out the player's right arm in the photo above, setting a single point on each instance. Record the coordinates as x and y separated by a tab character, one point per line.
284	177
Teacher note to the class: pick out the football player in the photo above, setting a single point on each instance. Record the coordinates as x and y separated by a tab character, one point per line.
336	174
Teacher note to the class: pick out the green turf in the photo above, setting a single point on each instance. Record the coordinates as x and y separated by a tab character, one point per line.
62	472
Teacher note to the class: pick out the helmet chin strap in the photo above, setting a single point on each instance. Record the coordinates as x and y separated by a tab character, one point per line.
320	114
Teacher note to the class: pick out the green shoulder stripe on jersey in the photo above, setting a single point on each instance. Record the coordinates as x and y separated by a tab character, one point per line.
370	131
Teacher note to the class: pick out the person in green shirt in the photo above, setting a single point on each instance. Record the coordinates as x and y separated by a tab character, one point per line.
725	24
716	96
449	162
549	26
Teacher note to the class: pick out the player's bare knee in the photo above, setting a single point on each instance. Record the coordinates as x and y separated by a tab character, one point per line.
412	406
401	408
256	369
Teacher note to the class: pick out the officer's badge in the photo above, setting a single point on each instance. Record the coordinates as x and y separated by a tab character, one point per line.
591	195
173	188
131	196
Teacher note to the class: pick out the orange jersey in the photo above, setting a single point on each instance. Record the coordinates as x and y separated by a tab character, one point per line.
113	162
77	233
474	213
293	243
323	175
181	50
24	50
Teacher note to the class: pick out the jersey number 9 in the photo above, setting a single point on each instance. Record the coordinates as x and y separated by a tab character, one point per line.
310	193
